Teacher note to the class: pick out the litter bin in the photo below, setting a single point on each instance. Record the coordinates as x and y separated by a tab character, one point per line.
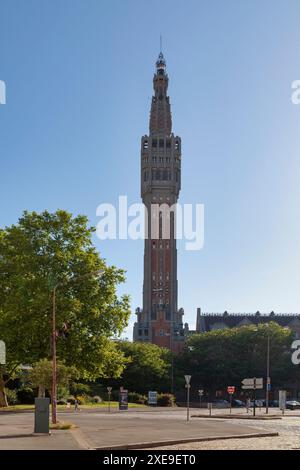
41	415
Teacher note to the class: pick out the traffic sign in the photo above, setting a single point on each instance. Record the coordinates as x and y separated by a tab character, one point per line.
253	384
187	379
109	389
231	390
200	392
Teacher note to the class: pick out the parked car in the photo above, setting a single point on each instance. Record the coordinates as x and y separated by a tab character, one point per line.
258	403
273	403
292	404
237	403
220	404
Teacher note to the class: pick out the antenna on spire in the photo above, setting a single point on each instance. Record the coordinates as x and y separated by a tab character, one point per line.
160	40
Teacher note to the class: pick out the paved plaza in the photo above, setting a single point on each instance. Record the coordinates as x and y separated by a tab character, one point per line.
100	429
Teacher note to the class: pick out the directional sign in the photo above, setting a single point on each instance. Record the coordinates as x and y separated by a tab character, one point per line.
187	379
2	353
251	384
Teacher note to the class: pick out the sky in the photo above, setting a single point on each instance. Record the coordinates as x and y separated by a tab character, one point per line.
78	76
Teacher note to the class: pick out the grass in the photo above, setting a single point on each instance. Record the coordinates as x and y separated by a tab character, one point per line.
104	404
62	425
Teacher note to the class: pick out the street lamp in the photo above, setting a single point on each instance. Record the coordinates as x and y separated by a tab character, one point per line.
268	370
55	286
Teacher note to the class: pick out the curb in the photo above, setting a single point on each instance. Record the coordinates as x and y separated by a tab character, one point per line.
143	445
262	418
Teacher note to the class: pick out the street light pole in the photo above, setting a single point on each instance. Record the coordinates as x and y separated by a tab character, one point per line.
54	386
54	359
268	372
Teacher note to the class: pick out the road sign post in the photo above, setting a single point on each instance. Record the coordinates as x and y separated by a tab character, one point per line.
200	396
254	396
230	391
188	386
253	384
109	389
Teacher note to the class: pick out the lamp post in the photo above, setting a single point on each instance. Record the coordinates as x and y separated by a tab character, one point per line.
55	286
54	384
109	389
268	371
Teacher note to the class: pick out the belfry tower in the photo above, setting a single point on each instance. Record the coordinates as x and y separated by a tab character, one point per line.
160	321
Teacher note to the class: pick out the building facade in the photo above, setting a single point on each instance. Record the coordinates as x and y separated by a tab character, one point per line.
220	321
160	321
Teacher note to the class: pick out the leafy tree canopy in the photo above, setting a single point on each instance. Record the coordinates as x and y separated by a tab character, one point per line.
48	250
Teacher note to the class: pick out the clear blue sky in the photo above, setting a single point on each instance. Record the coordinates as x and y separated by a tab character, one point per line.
79	84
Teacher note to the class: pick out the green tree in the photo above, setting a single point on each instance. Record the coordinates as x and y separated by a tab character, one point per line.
148	367
220	358
40	375
55	249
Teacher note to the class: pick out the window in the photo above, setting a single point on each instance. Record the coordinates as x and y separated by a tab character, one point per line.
168	143
153	315
161	160
168	159
145	175
176	145
140	332
154	143
161	143
154	159
146	332
145	144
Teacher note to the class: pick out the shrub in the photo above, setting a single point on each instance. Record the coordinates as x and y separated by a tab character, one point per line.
71	399
96	399
26	396
12	397
134	397
81	400
62	401
62	392
165	399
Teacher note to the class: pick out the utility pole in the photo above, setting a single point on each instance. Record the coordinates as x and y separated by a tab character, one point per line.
54	385
268	371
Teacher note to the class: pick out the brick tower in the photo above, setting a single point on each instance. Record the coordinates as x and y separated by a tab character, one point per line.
160	321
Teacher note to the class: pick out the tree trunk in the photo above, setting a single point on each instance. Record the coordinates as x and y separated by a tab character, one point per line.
41	391
3	399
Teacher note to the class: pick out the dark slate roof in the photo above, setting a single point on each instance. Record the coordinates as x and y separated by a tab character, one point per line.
231	320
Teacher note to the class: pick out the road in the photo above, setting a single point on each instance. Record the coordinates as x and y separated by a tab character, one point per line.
105	430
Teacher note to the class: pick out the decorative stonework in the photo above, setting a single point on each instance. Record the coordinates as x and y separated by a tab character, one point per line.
160	321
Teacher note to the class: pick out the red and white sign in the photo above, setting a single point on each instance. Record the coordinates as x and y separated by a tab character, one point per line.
230	390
